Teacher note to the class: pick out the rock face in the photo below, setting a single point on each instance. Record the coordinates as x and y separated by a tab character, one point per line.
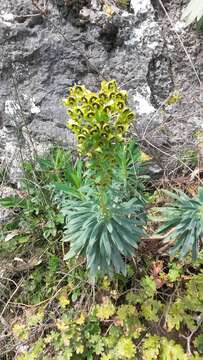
44	51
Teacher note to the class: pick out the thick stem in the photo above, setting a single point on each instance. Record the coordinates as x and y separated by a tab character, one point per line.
103	204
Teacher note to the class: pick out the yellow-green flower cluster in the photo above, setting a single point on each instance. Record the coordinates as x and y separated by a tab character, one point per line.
99	118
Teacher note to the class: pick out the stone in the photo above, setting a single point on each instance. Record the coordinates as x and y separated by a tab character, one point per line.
42	56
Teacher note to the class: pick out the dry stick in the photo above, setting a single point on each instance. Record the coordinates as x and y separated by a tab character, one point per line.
190	60
175	157
181	42
12	295
43	11
110	326
197	76
189	338
5	278
57	292
168	307
25	124
2	337
153	131
4	323
191	63
31	142
22	115
37	185
152	118
9	350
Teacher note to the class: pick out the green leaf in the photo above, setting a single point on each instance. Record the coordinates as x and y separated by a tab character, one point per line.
106	244
171	350
125	348
198	342
109	227
200	194
118	262
151	347
149	286
184	221
13	202
67	189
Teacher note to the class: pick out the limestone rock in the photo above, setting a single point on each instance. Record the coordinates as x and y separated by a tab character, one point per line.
41	56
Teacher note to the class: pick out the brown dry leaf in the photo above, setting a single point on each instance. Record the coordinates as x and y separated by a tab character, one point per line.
159	282
118	322
157	267
192	190
186	277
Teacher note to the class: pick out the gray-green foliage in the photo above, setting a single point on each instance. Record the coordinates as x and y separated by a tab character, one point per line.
102	223
183	223
103	237
105	225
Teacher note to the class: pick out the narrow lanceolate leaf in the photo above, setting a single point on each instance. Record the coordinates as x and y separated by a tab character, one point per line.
132	239
187	244
77	246
117	241
185	231
166	227
178	196
174	251
91	221
131	236
109	227
96	234
77	220
92	260
195	250
13	202
125	248
67	190
69	237
107	246
118	262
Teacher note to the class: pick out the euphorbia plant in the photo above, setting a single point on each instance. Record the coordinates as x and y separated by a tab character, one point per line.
182	223
101	226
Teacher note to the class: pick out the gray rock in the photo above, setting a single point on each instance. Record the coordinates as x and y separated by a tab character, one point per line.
41	56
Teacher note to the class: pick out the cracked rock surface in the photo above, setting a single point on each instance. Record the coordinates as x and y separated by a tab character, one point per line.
41	56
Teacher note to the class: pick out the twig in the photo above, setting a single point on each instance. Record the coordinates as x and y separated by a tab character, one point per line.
181	42
43	11
10	280
22	114
189	338
8	350
152	119
105	334
168	307
12	295
174	157
56	293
